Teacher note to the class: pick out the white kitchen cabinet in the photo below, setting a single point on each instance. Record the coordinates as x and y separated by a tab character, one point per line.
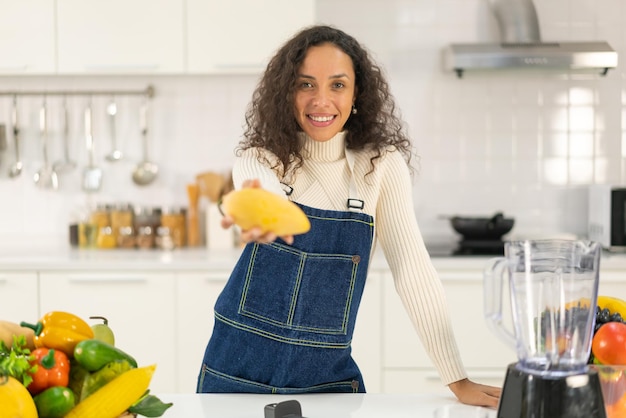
404	358
241	35
415	380
367	341
27	37
612	283
20	296
196	296
140	308
118	36
195	300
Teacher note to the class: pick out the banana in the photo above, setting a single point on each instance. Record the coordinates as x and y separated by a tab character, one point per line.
614	305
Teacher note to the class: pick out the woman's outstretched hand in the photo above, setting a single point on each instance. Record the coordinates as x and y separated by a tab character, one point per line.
254	234
472	393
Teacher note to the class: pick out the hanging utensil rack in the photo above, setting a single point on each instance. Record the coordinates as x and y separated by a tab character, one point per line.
147	92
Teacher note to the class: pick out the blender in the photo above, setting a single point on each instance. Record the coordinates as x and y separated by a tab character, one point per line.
553	287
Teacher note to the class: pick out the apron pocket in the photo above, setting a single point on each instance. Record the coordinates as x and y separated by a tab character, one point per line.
298	290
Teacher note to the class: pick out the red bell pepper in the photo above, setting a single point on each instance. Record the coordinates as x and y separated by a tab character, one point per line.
53	369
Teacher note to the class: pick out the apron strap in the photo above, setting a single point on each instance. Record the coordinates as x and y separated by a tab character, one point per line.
354	203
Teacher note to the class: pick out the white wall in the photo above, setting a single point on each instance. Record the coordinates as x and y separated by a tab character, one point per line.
527	144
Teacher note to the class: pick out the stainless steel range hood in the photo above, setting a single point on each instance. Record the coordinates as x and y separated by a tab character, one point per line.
521	46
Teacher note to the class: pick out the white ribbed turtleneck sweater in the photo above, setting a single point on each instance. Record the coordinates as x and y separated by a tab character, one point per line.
323	182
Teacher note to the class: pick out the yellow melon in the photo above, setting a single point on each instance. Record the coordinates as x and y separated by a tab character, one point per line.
256	207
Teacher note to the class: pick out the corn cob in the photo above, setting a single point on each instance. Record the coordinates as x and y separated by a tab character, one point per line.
115	397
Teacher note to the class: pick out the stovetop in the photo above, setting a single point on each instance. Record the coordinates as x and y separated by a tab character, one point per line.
464	248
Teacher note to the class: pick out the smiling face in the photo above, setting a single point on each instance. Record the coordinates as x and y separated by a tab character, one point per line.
325	91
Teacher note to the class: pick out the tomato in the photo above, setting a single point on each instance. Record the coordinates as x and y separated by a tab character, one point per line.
609	344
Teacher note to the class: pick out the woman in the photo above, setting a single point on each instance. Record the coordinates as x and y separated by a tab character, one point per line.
322	130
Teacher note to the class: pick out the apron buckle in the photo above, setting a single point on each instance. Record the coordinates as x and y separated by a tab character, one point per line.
356	203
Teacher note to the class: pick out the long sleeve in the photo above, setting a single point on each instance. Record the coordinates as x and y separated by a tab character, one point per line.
415	278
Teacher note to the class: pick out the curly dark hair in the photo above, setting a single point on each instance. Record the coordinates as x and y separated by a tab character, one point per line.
270	120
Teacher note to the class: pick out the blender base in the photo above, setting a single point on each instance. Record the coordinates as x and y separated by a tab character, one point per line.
526	395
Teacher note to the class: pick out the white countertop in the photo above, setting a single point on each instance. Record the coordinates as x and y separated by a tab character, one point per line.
193	259
324	406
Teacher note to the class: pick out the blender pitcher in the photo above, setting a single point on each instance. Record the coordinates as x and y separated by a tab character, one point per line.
553	289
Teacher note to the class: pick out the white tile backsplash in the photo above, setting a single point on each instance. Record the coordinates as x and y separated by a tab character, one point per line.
525	143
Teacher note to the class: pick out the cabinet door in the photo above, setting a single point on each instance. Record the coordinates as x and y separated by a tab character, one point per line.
367	343
196	296
119	36
397	381
139	307
241	35
20	297
612	283
27	37
478	346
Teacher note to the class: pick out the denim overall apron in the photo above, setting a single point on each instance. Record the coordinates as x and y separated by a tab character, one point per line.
285	319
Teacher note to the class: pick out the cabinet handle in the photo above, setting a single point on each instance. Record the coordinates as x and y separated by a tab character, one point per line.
99	279
137	67
460	276
12	68
474	376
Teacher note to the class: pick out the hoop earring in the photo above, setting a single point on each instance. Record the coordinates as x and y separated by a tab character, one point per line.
354	111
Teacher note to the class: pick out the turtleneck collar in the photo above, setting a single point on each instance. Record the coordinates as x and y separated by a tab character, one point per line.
332	150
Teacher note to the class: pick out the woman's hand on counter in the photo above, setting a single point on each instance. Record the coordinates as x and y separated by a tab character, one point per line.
472	393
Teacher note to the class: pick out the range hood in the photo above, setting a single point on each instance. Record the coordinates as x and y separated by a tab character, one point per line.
521	46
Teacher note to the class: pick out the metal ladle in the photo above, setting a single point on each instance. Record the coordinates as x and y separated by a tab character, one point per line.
146	171
46	177
115	154
16	167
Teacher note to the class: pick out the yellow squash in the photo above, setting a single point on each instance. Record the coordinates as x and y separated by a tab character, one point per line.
15	400
115	397
614	305
256	207
9	329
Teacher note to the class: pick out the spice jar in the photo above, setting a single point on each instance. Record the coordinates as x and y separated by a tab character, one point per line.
100	219
147	220
175	219
126	237
106	239
164	239
101	216
121	217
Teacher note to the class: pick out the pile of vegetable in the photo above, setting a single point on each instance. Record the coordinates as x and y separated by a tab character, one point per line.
608	353
63	367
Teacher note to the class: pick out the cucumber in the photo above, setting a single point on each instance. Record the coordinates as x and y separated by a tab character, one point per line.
54	402
95	354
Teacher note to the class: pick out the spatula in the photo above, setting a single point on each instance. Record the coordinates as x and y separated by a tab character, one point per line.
92	175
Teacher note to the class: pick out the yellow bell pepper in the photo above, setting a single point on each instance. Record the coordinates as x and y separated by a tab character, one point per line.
61	331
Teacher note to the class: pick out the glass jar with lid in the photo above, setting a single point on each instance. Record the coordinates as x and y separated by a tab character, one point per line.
175	219
100	219
121	217
147	220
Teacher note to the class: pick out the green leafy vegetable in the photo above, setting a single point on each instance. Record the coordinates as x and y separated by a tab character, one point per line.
149	406
16	360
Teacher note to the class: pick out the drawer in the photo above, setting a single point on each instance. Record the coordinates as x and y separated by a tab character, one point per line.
479	346
404	381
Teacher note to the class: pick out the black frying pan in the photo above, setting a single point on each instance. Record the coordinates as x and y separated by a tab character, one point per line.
482	228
